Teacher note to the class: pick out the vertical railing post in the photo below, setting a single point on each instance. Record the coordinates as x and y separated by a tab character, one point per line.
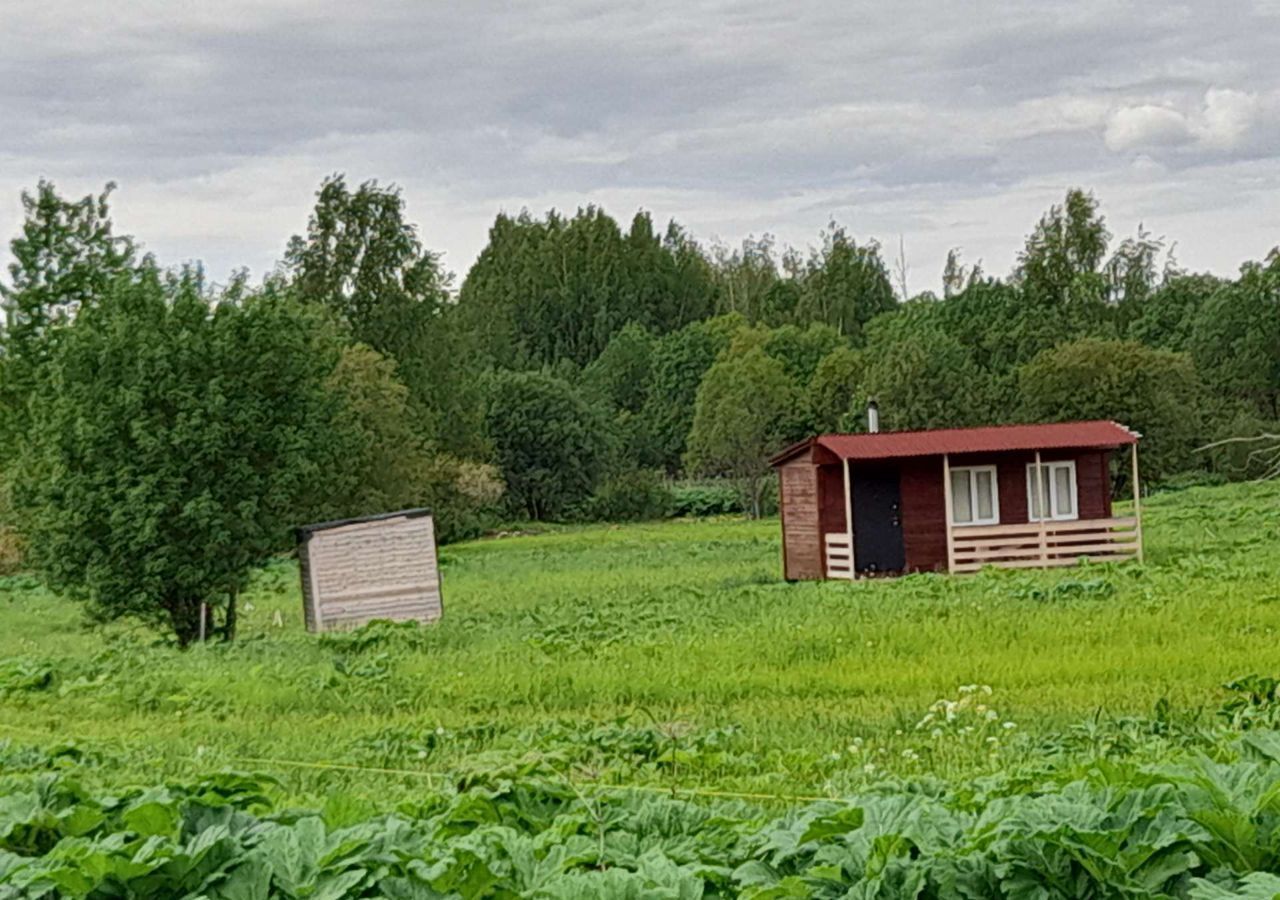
947	506
848	519
1042	500
1137	500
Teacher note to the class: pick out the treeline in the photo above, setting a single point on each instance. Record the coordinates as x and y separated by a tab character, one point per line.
162	433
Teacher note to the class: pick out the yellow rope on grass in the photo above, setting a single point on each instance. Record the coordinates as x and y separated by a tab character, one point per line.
322	765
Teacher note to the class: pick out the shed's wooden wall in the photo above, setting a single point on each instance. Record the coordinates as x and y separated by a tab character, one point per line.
375	569
798	502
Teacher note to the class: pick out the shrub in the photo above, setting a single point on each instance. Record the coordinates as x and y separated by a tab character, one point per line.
550	443
634	496
705	498
10	540
10	551
744	408
463	497
1156	392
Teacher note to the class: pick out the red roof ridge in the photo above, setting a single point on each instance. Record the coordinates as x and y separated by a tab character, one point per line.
974	428
1088	433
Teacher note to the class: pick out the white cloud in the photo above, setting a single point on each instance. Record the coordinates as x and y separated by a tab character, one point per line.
1146	126
1227	118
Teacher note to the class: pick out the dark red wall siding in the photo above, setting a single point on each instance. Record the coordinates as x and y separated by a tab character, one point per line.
831	513
1093	481
924	533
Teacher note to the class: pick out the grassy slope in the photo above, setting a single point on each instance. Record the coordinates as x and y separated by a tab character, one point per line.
682	622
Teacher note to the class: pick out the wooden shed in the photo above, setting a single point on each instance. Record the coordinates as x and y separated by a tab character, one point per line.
954	500
377	567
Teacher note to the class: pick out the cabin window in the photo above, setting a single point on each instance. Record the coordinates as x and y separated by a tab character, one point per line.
1056	493
975	496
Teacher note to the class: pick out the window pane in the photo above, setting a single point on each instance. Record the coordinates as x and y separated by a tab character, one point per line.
984	494
961	503
1065	503
1035	492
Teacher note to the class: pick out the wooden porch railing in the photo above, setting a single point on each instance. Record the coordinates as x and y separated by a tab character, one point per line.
1036	544
839	558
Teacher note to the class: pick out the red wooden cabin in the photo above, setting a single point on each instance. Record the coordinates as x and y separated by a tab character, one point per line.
954	500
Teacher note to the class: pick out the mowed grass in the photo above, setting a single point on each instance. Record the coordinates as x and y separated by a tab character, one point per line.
683	629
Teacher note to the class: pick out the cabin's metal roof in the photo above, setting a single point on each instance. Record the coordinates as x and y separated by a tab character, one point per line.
1098	434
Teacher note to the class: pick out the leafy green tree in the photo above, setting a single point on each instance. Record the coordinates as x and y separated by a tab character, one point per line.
740	419
619	376
1236	338
800	350
551	444
1062	259
757	282
361	260
618	381
957	277
366	264
394	467
1166	318
845	285
173	445
64	259
837	380
922	377
690	293
1134	271
386	450
556	288
679	362
1155	392
667	282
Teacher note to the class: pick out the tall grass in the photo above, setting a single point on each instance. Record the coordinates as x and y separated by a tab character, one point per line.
681	633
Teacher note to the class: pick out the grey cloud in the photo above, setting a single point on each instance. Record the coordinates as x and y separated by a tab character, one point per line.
218	120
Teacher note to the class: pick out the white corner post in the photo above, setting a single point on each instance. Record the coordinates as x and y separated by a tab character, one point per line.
1137	501
848	519
1042	500
947	506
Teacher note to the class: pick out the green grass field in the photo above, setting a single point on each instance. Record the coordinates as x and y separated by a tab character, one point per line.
669	654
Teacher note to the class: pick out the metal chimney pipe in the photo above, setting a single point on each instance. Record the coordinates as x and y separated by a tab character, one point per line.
873	417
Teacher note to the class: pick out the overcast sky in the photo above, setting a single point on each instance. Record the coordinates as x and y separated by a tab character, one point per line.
950	124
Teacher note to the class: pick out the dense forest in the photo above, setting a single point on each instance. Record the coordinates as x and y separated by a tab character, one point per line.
161	433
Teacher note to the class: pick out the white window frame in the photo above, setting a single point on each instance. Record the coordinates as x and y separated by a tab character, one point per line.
994	519
1051	480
